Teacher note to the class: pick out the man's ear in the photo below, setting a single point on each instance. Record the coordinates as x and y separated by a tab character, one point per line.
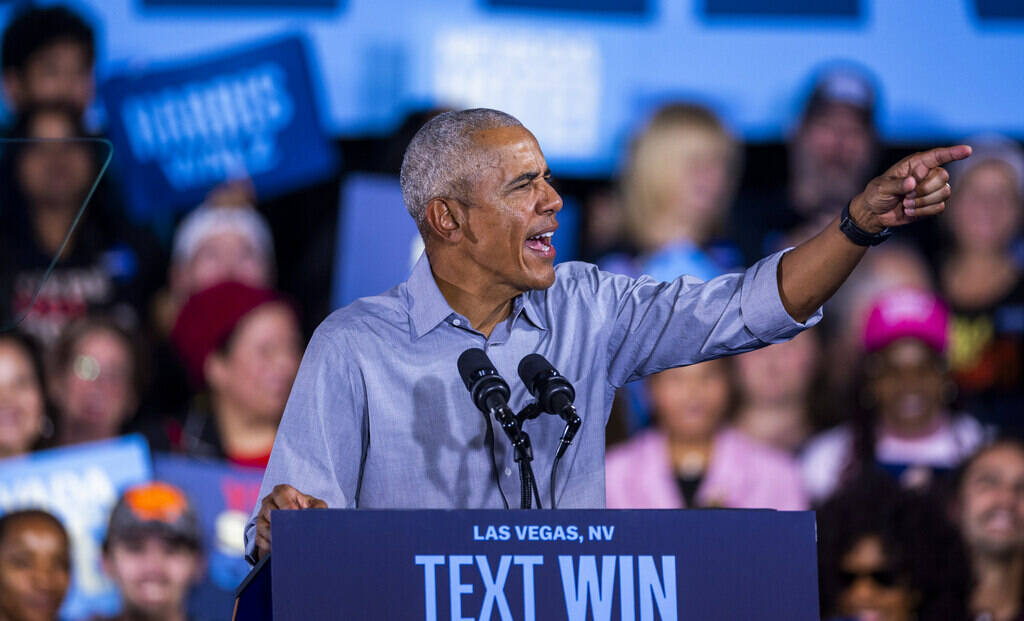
444	219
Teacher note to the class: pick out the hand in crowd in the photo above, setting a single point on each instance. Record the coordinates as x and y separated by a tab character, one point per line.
284	497
913	188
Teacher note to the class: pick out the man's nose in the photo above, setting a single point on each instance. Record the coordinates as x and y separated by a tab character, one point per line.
550	201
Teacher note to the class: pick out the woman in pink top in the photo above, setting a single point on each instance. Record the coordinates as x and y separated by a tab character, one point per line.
692	458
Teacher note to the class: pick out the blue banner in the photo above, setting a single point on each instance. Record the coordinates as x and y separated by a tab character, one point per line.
567	564
80	485
250	112
223	496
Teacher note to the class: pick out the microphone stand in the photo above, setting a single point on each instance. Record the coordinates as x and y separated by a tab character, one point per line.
511	424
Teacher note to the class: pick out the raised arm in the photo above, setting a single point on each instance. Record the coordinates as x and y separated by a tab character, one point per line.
916	187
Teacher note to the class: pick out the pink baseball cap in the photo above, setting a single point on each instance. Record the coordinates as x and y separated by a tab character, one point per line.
907	313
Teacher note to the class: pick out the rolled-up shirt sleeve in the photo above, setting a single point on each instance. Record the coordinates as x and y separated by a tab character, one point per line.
660	325
323	432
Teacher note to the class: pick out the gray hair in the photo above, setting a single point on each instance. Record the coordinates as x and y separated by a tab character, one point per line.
435	162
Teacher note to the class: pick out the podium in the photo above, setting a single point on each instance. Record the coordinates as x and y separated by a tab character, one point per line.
454	565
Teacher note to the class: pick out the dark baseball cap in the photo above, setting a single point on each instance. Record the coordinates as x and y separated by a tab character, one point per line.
844	86
155	508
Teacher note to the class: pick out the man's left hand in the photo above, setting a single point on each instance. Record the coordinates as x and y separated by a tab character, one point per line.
915	187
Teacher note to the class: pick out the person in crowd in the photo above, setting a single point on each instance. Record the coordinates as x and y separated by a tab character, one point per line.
889	554
989	509
96	375
35	566
832	154
216	242
693	458
984	282
107	263
903	421
894	265
677	188
24	420
776	386
243	345
153	552
48	55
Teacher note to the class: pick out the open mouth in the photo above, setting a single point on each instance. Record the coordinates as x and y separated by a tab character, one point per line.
541	244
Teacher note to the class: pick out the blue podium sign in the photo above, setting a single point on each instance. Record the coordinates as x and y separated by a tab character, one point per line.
527	565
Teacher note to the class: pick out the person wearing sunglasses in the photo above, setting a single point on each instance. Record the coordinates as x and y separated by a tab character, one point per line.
888	554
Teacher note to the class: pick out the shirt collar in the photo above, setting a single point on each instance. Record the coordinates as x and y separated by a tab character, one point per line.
528	305
427	306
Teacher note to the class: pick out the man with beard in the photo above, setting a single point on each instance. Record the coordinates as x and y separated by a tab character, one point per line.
990	509
831	156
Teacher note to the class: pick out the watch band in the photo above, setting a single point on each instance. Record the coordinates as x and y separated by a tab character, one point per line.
858	235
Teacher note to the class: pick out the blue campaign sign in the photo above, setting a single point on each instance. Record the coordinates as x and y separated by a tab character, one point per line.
250	112
223	496
569	564
80	485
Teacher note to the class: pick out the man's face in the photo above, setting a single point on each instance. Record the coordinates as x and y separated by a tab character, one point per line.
57	170
57	73
509	212
833	153
992	502
152	573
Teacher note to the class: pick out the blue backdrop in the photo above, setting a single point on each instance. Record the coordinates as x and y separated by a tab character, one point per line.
582	74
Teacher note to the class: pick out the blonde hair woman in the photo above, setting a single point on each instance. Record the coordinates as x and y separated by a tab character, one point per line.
677	187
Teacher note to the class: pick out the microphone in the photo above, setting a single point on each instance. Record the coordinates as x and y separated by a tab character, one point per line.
489	391
490	394
553	393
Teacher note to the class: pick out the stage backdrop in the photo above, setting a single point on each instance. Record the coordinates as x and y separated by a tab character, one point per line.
582	73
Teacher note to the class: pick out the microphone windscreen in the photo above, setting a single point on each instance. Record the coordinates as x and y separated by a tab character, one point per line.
470	362
530	366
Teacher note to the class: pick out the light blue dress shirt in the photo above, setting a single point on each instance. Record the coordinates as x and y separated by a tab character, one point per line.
378	416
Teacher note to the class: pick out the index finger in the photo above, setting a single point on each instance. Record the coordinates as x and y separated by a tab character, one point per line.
942	155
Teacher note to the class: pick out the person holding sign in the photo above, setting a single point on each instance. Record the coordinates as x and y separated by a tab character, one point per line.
378	416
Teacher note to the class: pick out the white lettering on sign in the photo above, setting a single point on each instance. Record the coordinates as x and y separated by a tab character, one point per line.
584	586
207	131
561	100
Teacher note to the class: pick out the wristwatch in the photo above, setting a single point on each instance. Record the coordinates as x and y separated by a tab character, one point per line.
858	235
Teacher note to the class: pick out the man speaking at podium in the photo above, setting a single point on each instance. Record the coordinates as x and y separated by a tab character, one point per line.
378	416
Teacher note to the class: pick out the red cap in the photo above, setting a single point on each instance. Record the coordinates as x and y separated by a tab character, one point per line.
208	319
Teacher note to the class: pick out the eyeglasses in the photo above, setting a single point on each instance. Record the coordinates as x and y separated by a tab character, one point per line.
882	577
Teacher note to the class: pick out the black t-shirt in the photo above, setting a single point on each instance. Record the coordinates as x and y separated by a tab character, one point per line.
112	266
987	359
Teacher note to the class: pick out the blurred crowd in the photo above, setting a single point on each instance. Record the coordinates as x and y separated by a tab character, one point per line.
897	418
